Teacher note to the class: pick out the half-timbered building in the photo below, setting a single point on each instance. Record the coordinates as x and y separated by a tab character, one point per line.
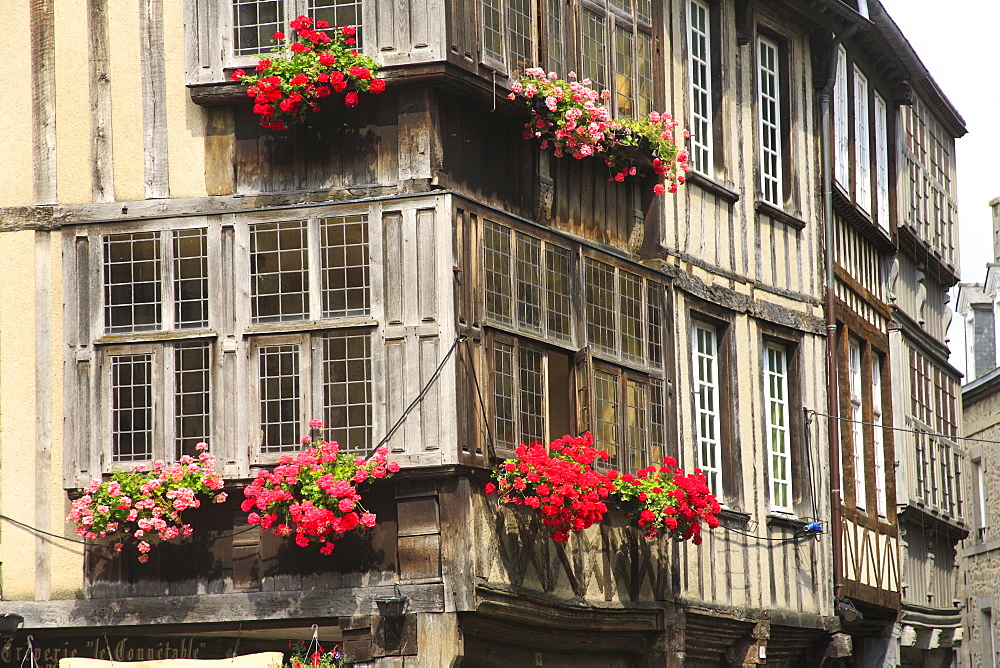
416	274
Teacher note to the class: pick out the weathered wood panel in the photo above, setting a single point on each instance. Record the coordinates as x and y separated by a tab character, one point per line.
338	148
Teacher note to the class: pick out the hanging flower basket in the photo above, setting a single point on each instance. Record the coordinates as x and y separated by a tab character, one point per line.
670	502
292	81
143	502
570	118
313	495
559	482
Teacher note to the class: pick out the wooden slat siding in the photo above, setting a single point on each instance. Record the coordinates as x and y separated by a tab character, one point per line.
395	356
394	267
75	329
431	407
154	106
102	168
224	360
341	149
426	265
419	149
220	147
43	101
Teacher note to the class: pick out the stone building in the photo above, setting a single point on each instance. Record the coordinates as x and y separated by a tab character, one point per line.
168	258
978	307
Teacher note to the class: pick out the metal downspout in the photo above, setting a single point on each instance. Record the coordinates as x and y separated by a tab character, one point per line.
833	395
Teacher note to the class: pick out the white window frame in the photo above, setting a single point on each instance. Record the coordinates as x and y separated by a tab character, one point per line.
777	424
700	87
862	144
857	431
878	440
841	134
882	162
707	400
769	130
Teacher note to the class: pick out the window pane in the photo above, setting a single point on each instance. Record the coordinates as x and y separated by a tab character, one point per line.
497	272
644	73
606	415
700	73
254	24
779	454
191	278
657	423
347	390
132	407
279	397
841	134
600	279
882	162
529	283
878	442
630	303
346	279
636	439
862	144
532	394
592	58
654	318
769	121
559	286
854	373
624	95
492	29
192	396
707	417
503	394
555	38
339	14
132	282
279	266
519	40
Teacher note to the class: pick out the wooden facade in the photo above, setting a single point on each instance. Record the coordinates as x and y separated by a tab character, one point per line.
462	236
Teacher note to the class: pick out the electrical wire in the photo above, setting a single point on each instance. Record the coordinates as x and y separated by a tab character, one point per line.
799	535
416	401
471	370
88	543
904	429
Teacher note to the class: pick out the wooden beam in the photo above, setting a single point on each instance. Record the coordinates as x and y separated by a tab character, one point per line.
154	107
43	101
102	165
200	609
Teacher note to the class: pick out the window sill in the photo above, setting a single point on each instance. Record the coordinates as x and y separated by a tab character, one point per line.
733	519
154	337
777	214
309	325
713	187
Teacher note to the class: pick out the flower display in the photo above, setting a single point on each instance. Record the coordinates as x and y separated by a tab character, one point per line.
145	502
571	118
313	494
671	502
560	482
318	64
314	654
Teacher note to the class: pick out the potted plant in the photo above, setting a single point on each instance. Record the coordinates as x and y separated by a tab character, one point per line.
143	502
291	82
560	482
313	494
671	502
570	117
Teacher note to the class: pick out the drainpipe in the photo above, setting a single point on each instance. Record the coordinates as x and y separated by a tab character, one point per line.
833	395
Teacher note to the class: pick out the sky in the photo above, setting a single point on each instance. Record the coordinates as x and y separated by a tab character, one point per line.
959	42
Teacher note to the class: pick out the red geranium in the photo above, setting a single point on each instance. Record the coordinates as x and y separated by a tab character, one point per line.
673	502
560	482
282	98
314	494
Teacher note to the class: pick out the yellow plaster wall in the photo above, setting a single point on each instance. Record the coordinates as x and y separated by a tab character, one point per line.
15	80
125	70
185	119
18	412
17	418
73	120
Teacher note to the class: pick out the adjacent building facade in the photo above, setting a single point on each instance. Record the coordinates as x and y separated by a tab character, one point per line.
189	276
977	308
